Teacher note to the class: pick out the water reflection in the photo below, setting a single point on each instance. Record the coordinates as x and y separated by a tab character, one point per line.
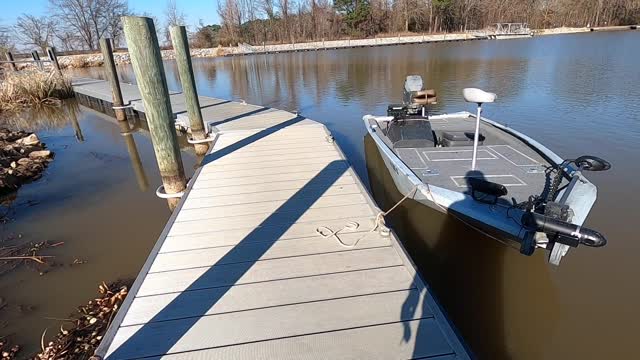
136	163
574	93
89	199
498	299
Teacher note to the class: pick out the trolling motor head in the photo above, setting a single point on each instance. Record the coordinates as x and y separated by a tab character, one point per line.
592	163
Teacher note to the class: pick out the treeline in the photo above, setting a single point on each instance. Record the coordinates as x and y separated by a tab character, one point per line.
257	21
79	24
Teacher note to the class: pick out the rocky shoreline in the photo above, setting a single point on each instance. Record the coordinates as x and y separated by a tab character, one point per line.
23	158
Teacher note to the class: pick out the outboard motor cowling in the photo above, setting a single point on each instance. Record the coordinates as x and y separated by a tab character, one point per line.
415	94
414	99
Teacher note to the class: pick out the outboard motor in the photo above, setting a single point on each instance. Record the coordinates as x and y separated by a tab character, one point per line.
415	94
414	99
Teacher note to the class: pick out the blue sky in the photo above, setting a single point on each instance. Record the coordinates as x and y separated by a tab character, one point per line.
207	10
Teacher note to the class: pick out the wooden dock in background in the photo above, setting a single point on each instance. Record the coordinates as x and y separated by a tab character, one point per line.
240	272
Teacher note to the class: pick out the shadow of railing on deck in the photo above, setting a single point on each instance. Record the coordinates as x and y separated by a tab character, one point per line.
148	341
249	139
239	116
202	107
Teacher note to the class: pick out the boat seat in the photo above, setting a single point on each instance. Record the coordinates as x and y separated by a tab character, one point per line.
478	96
459	138
411	134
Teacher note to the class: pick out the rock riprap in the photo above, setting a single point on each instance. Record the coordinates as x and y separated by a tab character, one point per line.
23	158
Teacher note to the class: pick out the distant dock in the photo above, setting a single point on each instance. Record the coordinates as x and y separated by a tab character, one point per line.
246	49
240	270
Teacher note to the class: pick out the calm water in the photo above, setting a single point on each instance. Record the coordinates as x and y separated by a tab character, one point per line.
98	197
576	94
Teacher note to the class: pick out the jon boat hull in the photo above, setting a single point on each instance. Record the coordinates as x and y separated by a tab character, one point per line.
497	221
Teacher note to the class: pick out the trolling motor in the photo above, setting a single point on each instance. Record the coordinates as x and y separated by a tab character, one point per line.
414	99
553	218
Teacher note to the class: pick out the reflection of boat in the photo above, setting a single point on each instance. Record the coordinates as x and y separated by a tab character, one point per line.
490	176
505	31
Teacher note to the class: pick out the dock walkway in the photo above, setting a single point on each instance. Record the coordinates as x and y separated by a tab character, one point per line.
240	271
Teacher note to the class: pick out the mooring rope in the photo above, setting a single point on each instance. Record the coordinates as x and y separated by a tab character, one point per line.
379	222
326	232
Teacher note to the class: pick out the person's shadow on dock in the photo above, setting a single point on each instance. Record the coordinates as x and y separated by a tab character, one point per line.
147	341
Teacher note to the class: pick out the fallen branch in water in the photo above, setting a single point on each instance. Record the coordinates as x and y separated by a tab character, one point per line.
37	259
12	256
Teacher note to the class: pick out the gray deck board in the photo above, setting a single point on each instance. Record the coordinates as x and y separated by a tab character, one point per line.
273	293
240	271
292	320
360	343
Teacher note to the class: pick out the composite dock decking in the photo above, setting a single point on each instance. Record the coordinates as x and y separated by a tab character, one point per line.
240	272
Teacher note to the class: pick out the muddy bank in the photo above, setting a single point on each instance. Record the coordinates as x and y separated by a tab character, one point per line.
23	158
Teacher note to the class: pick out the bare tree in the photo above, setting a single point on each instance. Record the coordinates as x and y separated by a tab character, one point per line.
6	44
288	20
172	17
91	19
35	31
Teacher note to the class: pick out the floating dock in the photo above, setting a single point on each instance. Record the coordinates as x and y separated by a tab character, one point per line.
242	269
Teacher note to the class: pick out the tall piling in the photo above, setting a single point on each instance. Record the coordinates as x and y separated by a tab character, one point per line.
36	57
185	69
9	57
147	65
112	76
53	57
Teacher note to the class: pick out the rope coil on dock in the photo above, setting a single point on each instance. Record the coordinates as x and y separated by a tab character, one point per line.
326	232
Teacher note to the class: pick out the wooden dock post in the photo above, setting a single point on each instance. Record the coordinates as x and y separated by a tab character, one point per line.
152	83
185	69
51	53
112	77
9	57
36	57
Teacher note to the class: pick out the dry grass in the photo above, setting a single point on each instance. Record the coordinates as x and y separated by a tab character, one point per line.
33	87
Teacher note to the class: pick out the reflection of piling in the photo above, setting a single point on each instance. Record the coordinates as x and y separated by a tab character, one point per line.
134	155
76	125
53	57
112	77
147	66
185	69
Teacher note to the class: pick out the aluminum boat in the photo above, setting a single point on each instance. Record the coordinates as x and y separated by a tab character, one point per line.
493	178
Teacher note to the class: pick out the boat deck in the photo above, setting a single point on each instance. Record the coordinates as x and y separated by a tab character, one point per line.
502	159
240	271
